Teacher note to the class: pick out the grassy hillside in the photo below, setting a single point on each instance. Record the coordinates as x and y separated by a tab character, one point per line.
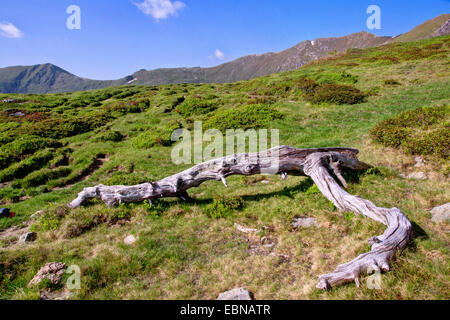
52	146
426	30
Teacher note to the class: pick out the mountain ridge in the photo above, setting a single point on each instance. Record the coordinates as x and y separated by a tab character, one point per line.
48	78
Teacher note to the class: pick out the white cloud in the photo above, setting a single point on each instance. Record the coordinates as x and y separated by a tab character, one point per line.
219	55
160	9
8	30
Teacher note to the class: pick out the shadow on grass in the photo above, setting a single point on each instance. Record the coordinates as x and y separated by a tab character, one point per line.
417	234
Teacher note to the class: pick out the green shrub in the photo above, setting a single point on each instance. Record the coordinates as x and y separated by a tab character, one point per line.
156	207
434	142
161	136
24	146
196	106
421	131
43	176
119	109
306	85
245	117
11	194
61	127
223	207
23	168
114	136
51	219
337	94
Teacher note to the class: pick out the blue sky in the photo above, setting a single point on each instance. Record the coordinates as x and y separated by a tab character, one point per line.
119	37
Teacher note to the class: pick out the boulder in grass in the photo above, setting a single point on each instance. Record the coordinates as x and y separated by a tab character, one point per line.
441	213
235	294
28	237
130	240
304	223
53	271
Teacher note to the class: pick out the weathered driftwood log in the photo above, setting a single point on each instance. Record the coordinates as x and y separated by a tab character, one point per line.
319	164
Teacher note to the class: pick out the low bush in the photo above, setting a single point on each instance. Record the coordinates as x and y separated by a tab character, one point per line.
196	106
337	94
51	219
119	109
156	207
11	194
161	136
306	85
114	136
223	207
245	117
422	131
24	146
23	168
43	176
67	127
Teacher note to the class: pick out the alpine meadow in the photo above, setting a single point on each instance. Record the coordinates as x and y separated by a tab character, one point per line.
274	235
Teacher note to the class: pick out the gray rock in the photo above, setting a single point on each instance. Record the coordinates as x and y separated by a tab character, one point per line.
304	223
441	213
244	229
52	271
267	243
417	176
129	240
235	294
17	114
28	237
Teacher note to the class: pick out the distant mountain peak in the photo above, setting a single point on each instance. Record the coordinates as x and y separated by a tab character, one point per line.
48	78
436	27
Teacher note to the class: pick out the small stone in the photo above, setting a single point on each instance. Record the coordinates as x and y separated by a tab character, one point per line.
267	243
244	229
28	237
235	294
129	240
58	295
265	182
304	223
417	176
441	213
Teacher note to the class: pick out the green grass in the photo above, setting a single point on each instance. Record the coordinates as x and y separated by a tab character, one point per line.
192	250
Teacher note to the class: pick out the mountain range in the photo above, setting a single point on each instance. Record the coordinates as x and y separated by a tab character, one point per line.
48	78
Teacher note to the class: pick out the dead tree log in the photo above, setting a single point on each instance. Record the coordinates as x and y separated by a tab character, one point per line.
319	164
